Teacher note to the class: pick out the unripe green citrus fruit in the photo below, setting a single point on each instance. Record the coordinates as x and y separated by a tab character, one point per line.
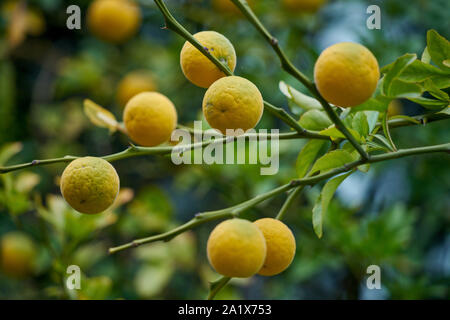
232	103
17	254
280	244
346	74
90	185
236	248
114	21
150	118
197	67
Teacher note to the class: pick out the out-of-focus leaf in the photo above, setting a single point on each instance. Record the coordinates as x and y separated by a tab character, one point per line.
321	205
331	160
439	49
97	288
100	116
151	279
7	151
301	100
88	255
17	27
8	127
183	250
25	181
306	156
315	120
125	195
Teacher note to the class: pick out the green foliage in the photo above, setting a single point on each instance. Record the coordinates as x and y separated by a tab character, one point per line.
43	84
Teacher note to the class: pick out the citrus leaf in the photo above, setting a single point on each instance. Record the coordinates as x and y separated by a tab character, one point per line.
419	71
315	120
403	89
439	49
360	124
383	140
429	103
407	118
435	91
387	133
301	100
306	156
100	116
395	71
426	58
321	205
334	133
8	150
331	160
372	119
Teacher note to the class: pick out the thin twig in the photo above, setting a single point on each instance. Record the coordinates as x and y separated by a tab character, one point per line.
237	209
287	65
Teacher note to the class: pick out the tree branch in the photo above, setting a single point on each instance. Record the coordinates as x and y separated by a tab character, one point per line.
237	209
287	65
174	25
134	151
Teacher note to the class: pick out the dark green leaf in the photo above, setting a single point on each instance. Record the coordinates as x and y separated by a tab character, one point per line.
321	205
331	160
439	49
429	103
395	71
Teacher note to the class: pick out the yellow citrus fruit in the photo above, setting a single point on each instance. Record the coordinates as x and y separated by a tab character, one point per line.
236	248
280	244
199	69
114	21
150	118
17	254
90	184
346	74
133	83
304	5
232	103
395	108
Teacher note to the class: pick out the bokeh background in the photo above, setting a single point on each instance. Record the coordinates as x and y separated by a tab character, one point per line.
396	216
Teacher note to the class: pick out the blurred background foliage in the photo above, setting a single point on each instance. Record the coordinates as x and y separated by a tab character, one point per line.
396	216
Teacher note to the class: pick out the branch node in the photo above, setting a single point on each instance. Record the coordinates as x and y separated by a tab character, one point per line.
274	41
135	244
35	162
